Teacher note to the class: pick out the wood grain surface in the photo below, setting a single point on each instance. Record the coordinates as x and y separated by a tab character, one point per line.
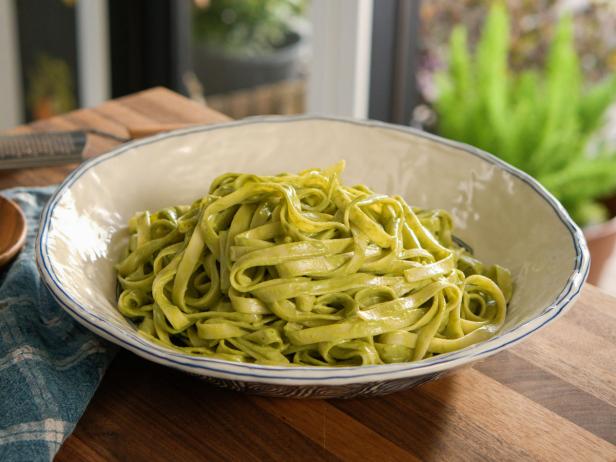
552	397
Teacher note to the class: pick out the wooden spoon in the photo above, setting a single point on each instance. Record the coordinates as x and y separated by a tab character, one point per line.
12	230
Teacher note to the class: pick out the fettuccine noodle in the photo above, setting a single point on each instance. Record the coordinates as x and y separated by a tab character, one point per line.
302	270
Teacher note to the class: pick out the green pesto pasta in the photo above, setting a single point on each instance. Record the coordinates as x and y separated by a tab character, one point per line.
302	270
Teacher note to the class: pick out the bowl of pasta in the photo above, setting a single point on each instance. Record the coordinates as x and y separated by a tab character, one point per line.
309	256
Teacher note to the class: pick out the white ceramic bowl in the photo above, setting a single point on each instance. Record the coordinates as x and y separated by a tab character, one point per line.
505	215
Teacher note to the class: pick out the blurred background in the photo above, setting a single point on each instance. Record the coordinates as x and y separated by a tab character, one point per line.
531	81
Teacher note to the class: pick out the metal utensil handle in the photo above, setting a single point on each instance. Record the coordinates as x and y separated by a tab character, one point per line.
37	149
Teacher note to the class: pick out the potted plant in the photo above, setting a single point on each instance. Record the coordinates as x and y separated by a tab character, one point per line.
245	43
50	88
542	121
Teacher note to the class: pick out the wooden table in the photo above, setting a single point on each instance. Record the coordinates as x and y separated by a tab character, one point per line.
551	398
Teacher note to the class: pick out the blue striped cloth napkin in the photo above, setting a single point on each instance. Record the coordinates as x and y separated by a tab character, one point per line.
50	366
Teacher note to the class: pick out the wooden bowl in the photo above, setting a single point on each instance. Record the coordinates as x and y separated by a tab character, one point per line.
12	230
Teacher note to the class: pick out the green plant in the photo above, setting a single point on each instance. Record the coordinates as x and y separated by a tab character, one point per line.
541	121
246	26
50	83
